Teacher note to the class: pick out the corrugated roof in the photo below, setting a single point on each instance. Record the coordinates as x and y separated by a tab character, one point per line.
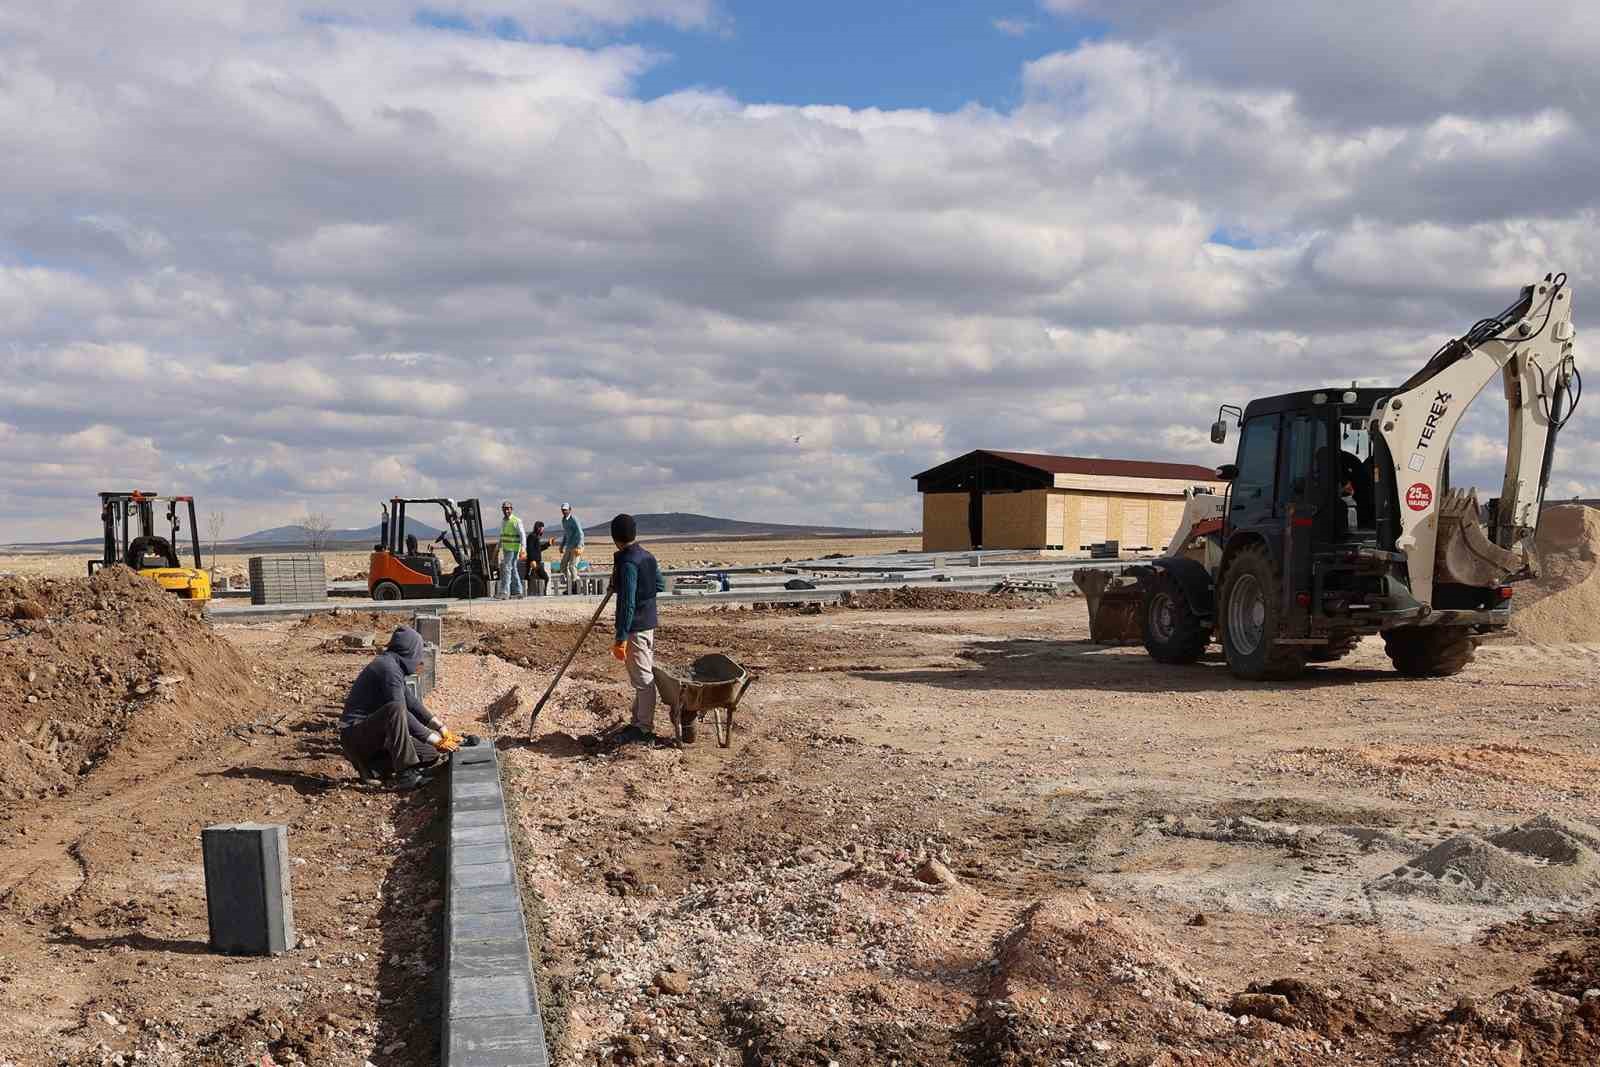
1108	468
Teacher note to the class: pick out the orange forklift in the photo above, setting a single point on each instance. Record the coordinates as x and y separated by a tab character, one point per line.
401	570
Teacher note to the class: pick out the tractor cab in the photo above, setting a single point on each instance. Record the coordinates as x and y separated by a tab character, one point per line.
129	537
401	568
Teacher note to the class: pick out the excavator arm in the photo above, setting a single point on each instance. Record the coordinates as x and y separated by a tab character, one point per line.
1530	347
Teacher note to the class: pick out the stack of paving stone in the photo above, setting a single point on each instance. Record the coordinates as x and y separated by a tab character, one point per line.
491	1003
288	579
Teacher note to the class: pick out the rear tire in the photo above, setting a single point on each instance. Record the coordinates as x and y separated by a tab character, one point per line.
1337	648
387	591
468	586
1173	633
1248	616
1430	651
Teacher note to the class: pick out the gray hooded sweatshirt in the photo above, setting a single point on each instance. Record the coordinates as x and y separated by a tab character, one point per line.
383	681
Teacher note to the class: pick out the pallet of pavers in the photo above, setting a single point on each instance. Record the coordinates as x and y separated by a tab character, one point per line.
292	578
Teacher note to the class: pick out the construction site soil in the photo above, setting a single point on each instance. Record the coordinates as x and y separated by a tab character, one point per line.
961	835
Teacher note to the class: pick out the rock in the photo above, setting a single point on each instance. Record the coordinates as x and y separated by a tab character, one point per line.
27	609
1261	1005
355	641
1591	994
107	1018
1199	920
935	873
675	983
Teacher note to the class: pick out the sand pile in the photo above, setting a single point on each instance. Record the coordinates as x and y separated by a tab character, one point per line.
89	665
1563	604
1544	858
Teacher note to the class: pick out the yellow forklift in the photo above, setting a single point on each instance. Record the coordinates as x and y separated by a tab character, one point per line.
149	553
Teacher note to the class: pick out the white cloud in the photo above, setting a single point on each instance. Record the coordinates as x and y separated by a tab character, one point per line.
314	263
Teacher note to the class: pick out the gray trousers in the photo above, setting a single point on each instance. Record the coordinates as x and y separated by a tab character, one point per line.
641	661
390	731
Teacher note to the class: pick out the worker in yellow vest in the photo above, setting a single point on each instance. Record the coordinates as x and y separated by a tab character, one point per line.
511	551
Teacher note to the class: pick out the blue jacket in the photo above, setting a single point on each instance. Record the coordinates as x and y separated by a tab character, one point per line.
571	533
636	580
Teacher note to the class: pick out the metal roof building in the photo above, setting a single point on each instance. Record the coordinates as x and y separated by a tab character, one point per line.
993	499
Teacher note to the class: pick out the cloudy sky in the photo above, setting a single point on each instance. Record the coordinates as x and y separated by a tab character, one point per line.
752	259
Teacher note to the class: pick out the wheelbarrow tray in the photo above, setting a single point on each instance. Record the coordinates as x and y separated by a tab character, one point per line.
713	684
711	681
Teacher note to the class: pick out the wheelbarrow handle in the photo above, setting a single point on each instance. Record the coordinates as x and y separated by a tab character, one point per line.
748	678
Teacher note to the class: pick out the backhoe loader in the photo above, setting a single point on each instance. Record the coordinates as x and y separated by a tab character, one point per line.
1339	521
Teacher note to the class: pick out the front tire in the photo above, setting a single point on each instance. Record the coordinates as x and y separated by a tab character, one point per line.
1430	651
1172	632
386	591
468	587
1248	614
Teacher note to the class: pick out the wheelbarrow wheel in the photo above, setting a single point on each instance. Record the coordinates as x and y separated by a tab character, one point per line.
722	719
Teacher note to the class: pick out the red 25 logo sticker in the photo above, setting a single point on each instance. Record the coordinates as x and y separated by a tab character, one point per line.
1419	496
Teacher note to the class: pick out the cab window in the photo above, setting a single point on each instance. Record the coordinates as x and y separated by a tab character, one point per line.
1258	460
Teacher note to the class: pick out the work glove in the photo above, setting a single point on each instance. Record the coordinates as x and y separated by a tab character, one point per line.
620	651
447	742
450	735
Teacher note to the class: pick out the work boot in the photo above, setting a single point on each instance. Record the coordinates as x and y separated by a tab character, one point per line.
408	779
632	734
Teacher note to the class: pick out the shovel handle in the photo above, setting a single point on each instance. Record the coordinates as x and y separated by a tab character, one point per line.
537	708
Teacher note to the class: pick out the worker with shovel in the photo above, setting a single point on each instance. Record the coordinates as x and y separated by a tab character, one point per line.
382	718
635	580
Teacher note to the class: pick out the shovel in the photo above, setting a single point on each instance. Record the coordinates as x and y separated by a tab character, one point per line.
537	708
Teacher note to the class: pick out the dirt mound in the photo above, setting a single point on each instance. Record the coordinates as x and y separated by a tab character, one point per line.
1544	858
89	665
1563	605
907	598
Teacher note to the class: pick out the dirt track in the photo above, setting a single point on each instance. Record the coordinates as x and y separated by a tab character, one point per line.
1146	865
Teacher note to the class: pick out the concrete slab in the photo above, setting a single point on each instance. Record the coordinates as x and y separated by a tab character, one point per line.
472	754
466	804
474	855
482	900
489	787
474	998
482	817
236	612
484	926
472	876
478	835
489	959
512	1041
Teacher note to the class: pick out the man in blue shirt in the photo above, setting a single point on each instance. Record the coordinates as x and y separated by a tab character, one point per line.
635	579
571	546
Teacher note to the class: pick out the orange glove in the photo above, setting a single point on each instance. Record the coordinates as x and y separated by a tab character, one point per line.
448	742
620	651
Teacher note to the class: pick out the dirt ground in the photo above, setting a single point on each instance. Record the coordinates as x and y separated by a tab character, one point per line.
345	565
938	837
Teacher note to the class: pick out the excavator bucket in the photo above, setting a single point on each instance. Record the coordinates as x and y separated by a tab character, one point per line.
1465	554
1114	601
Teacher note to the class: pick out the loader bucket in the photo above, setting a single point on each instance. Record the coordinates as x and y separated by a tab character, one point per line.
1114	602
1464	553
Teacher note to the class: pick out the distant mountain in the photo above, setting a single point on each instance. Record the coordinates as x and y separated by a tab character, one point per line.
686	524
296	535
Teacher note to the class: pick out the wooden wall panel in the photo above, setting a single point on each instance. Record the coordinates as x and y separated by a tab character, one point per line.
944	522
1015	520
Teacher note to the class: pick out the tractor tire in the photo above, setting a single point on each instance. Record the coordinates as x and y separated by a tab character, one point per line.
1172	632
1430	651
1247	615
387	591
1337	648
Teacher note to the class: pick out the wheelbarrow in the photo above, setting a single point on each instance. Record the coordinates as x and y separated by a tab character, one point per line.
712	685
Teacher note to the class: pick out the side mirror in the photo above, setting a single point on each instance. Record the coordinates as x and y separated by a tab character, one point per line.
1219	432
1227	472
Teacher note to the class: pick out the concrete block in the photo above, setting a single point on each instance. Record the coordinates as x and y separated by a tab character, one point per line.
483	753
471	876
477	835
510	1041
465	804
428	670
485	788
430	627
249	906
509	994
473	855
481	900
468	926
494	816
